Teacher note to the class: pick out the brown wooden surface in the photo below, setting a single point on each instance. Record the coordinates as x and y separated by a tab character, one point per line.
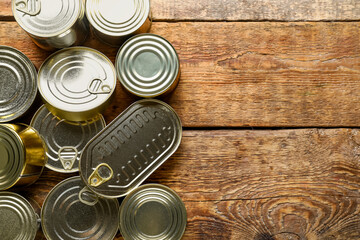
259	184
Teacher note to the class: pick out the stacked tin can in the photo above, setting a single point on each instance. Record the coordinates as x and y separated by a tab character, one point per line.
68	133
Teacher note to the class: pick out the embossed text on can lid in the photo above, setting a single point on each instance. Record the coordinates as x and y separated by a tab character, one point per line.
17	83
18	219
65	140
130	148
77	83
47	18
147	65
65	216
152	211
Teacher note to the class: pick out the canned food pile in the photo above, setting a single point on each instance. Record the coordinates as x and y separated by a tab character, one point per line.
68	133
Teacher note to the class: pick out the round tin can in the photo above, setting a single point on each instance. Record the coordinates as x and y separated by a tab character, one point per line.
18	87
77	83
64	140
152	211
18	219
52	23
113	21
147	65
65	216
22	155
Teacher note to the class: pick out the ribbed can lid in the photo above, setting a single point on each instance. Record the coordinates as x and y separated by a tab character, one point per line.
117	18
17	83
12	157
47	18
18	219
65	140
65	216
147	65
152	211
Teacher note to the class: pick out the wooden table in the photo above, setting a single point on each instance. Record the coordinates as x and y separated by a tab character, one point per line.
269	99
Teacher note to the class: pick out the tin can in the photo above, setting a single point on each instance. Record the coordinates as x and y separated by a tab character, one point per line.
114	21
65	215
130	148
152	211
147	65
18	219
52	24
22	155
64	140
77	83
18	87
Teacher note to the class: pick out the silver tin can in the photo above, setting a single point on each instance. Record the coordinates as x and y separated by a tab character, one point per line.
130	148
113	21
77	83
18	219
65	140
52	23
147	65
65	215
18	87
152	211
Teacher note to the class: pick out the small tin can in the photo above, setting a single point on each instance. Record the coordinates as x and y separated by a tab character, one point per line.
147	65
52	24
130	148
22	155
64	140
152	211
77	83
18	219
18	87
70	212
113	21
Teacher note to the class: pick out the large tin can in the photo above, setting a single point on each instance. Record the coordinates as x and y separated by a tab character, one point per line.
22	155
18	218
147	65
18	87
113	21
52	23
64	140
77	83
130	148
69	212
152	211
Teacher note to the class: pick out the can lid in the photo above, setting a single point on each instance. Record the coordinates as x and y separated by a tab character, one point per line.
152	211
65	140
17	83
12	155
75	82
147	65
117	18
47	18
18	219
65	216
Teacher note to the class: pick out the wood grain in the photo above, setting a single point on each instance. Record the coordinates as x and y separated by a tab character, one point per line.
244	10
250	74
261	185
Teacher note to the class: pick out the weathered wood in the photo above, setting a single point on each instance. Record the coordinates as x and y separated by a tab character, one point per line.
260	185
250	74
244	10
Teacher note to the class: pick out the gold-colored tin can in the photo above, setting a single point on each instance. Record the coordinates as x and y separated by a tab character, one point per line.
22	155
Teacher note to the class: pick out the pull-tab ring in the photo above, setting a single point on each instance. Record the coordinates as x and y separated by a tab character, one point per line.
93	198
68	161
23	6
98	86
102	173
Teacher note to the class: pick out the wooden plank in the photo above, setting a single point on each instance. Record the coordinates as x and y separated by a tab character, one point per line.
250	74
244	10
284	184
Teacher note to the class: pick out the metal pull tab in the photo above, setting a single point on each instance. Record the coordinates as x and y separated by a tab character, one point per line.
31	9
67	157
88	197
98	86
101	174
